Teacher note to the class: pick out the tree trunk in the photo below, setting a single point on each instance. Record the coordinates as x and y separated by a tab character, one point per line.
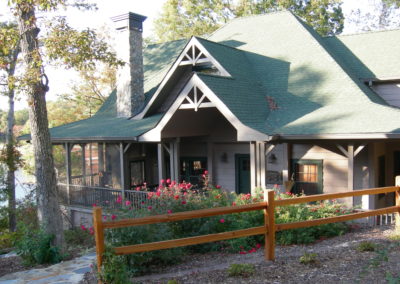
49	212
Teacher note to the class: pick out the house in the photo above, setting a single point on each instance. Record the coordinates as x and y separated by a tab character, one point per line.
261	101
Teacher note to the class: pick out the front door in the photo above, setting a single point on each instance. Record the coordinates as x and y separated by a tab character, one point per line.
242	162
307	177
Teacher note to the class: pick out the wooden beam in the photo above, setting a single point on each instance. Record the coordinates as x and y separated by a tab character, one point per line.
252	167
68	169
121	163
210	160
127	147
83	147
161	163
359	149
350	167
328	196
340	147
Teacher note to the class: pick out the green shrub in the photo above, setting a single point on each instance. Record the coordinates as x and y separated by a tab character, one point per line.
78	237
308	258
7	240
113	269
35	247
242	269
366	246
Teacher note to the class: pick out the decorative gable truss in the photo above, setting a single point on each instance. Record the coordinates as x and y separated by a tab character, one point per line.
196	99
194	54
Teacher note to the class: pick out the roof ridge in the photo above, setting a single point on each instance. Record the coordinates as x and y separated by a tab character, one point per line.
218	43
362	33
250	16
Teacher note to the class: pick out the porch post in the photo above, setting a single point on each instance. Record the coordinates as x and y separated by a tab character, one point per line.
252	167
161	163
91	164
210	158
83	147
262	165
350	167
68	169
176	159
100	154
121	163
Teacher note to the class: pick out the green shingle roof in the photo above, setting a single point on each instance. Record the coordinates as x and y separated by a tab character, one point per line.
313	92
286	80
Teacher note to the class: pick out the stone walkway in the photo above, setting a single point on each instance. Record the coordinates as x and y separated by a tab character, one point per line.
67	272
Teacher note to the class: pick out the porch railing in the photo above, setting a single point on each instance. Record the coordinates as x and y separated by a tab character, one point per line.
88	196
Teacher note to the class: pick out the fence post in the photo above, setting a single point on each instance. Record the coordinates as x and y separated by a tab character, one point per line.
99	235
269	220
397	197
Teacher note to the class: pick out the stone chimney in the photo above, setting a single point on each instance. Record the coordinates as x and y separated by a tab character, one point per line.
129	46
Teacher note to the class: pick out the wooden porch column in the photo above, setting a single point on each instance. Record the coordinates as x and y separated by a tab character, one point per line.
83	147
68	169
122	168
210	160
175	157
161	163
100	154
253	169
350	153
91	164
263	169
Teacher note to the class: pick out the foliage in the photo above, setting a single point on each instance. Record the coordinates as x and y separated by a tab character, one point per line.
241	269
392	279
308	258
7	240
171	197
77	237
184	18
113	269
366	246
35	246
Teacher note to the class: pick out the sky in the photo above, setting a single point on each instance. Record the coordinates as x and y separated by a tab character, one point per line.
60	80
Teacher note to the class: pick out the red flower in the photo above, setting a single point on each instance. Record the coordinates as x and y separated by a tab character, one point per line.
91	231
258	246
206	172
242	252
150	207
113	217
168	181
169	211
94	205
158	193
233	203
119	199
83	227
127	203
218	186
105	218
183	202
222	220
176	197
137	188
162	181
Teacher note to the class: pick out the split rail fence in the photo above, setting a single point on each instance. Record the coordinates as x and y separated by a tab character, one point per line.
269	229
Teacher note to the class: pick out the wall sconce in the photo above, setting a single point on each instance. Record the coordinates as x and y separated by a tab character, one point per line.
272	159
224	157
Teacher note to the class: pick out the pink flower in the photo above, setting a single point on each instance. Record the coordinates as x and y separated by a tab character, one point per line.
113	217
206	172
94	205
242	252
168	180
119	199
83	227
169	211
91	231
150	207
183	202
222	220
176	197
233	203
158	193
162	181
137	188
105	218
128	203
218	186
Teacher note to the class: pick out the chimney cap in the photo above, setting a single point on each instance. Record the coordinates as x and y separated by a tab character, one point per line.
129	20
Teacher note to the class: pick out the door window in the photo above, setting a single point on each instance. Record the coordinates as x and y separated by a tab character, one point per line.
307	176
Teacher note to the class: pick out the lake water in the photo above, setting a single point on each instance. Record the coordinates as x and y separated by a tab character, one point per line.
21	189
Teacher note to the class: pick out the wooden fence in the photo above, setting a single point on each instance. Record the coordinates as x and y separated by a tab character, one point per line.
269	229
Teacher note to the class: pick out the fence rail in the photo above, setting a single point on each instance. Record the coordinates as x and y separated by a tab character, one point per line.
269	229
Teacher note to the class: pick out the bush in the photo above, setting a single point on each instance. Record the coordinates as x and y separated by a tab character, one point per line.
366	246
113	269
35	247
171	197
308	258
79	237
242	269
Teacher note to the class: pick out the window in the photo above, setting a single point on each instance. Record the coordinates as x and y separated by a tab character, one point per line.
137	172
307	176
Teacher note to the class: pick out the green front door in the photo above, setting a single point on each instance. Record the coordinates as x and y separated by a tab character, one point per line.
242	163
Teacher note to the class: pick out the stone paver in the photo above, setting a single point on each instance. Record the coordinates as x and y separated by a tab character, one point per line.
71	271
